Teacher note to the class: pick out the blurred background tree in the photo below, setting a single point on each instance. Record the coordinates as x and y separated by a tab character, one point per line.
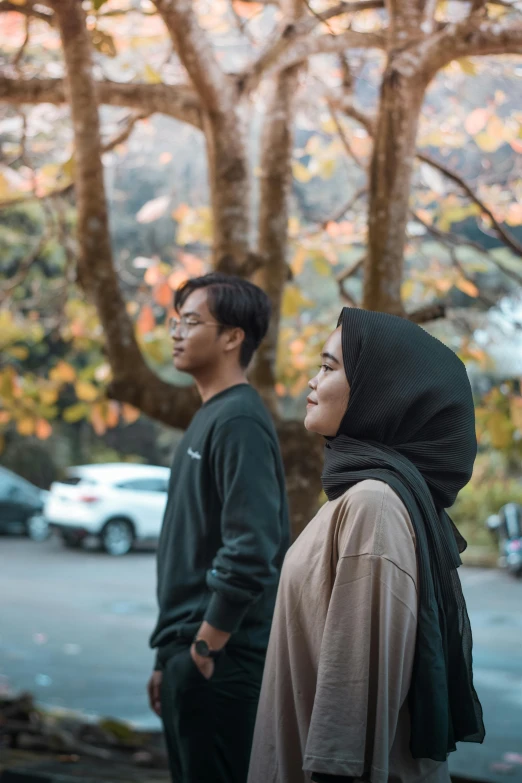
361	153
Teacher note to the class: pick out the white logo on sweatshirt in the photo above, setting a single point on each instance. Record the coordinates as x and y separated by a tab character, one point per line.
194	454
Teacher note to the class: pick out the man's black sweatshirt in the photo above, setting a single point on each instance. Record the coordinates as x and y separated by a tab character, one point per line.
226	528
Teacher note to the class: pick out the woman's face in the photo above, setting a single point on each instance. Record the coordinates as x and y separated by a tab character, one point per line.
328	400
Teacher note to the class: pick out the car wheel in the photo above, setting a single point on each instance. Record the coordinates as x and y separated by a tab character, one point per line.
117	537
71	541
37	528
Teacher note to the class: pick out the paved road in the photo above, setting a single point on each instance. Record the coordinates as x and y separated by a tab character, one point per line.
74	628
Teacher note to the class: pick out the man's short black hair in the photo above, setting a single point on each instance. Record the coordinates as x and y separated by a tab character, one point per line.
232	302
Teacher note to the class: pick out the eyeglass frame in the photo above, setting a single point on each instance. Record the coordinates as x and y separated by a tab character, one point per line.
186	326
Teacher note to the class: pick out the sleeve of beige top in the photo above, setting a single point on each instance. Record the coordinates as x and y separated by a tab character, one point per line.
368	643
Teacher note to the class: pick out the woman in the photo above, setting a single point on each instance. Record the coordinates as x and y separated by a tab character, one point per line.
368	673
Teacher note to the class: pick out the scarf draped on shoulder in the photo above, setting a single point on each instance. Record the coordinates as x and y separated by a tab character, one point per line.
410	422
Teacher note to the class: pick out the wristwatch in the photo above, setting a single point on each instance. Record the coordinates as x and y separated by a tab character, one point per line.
203	650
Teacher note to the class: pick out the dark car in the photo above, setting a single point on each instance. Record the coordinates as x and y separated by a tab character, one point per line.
21	506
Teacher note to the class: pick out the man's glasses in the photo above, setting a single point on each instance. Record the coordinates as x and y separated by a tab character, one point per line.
185	324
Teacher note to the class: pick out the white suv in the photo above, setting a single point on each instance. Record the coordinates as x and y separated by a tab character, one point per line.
120	503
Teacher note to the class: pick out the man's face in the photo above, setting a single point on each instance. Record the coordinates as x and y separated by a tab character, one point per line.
198	344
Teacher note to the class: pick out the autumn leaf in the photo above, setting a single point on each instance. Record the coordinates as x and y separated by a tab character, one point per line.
293	302
151	75
48	396
298	260
97	420
153	275
85	391
515	405
280	389
25	426
194	265
75	413
146	321
19	352
499	429
43	429
113	414
103	43
467	287
247	10
476	121
468	66
321	266
153	209
63	372
163	294
177	278
300	172
130	413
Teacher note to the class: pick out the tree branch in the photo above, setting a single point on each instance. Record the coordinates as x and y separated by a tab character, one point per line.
474	36
215	89
177	101
27	10
287	53
449	238
506	237
429	312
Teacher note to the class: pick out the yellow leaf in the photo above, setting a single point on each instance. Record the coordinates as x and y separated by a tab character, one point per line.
329	126
300	172
85	391
293	302
298	261
75	413
500	430
321	266
5	417
130	413
48	396
407	289
516	412
467	287
25	426
63	372
488	143
151	76
326	169
43	429
20	352
468	66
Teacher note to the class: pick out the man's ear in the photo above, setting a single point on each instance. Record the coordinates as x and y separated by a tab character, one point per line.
234	338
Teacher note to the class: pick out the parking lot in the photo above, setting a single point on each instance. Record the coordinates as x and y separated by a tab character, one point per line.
74	628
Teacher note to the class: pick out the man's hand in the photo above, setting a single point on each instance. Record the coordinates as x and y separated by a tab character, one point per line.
154	691
205	665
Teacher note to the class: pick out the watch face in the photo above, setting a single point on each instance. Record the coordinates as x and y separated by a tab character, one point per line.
202	648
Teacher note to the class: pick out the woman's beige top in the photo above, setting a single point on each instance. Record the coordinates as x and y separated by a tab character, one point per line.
338	669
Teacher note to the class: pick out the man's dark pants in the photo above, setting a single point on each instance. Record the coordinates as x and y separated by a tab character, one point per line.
209	724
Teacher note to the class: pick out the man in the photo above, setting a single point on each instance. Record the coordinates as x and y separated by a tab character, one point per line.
224	537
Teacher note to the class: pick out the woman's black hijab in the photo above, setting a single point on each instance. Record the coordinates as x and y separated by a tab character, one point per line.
410	422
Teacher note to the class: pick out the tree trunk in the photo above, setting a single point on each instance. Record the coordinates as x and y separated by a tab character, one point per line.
133	382
229	190
390	181
276	181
